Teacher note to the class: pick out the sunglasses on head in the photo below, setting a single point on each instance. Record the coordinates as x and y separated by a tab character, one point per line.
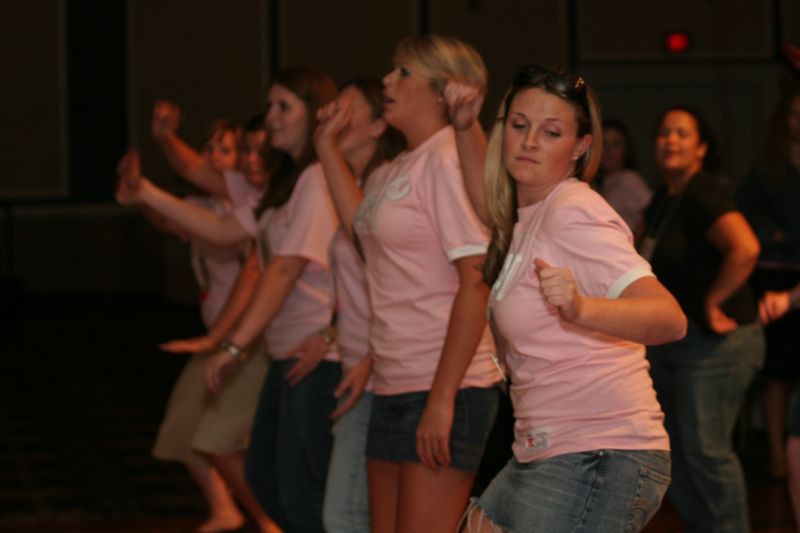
573	87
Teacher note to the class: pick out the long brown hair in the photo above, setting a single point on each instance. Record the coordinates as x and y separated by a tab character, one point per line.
315	88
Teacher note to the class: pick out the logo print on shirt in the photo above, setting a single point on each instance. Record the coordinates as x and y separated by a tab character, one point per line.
537	439
510	267
364	217
398	188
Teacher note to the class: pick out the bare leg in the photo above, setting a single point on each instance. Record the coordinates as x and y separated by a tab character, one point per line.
431	500
232	469
224	513
383	478
776	405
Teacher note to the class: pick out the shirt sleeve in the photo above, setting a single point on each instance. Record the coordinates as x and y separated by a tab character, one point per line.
709	199
460	231
240	191
591	239
312	220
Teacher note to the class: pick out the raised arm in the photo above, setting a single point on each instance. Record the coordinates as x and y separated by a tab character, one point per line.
333	118
135	189
739	246
464	106
186	161
220	230
464	330
644	312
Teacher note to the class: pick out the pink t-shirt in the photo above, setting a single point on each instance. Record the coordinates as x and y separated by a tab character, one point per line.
414	221
352	302
304	226
244	197
573	389
215	267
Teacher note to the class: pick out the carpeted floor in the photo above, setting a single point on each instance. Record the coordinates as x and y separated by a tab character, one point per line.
82	389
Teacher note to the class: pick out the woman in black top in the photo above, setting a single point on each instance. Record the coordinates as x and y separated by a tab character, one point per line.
703	250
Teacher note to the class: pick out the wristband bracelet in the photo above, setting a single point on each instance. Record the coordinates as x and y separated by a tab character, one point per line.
231	348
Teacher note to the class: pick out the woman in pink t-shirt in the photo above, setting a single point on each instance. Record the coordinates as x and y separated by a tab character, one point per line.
434	380
572	303
209	434
354	125
292	300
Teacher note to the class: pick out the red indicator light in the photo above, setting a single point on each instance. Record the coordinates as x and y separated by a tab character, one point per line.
677	42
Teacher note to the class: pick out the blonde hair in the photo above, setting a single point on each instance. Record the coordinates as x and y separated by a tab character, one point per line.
441	59
499	186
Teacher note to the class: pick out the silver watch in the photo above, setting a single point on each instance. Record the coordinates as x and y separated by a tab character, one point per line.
231	348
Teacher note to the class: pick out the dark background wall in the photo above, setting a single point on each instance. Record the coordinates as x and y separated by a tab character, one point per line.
80	78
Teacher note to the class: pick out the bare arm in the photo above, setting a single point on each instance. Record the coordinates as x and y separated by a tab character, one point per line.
192	166
182	157
162	223
464	331
135	189
464	105
271	290
732	235
346	194
197	221
237	301
644	312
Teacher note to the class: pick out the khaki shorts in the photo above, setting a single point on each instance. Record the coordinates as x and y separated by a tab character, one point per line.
198	421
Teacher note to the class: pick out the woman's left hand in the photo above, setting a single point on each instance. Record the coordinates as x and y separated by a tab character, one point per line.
433	434
558	289
311	352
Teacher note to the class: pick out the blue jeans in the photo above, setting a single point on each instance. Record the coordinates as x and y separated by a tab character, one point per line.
603	491
346	507
701	383
287	462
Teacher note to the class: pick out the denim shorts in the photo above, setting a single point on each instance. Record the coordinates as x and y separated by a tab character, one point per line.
599	491
394	419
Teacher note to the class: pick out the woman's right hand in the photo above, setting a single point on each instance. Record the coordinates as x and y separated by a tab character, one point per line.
166	117
192	345
216	369
773	305
463	104
352	386
333	118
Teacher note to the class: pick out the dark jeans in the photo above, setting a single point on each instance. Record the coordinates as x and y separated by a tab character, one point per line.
290	445
701	383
